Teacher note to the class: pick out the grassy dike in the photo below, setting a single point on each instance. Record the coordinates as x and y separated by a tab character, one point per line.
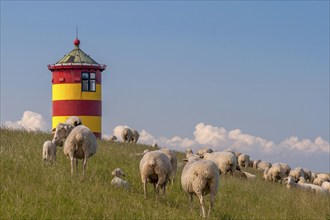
30	189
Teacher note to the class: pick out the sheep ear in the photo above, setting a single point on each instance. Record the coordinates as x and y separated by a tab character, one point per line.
185	159
201	156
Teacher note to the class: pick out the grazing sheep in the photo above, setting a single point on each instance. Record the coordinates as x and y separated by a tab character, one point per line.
326	185
156	168
275	173
135	136
296	173
243	160
262	165
226	161
49	151
113	138
127	135
286	168
80	143
200	177
255	163
117	181
155	145
307	175
174	162
202	151
74	121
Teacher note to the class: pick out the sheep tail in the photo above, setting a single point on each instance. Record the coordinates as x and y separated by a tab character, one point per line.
152	163
79	137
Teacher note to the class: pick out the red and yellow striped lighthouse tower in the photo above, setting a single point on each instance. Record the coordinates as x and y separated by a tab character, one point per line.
76	89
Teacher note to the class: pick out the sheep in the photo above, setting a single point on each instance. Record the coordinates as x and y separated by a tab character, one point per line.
296	173
243	160
262	165
113	138
49	151
135	136
80	143
307	174
286	168
200	177
117	181
155	145
61	132
226	161
200	152
174	162
127	135
255	163
320	178
291	183
74	121
156	168
249	175
326	185
275	173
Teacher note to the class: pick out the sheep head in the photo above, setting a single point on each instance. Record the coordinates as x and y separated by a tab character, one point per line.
61	132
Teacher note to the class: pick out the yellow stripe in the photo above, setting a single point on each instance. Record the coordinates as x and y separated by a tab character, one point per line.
72	91
92	122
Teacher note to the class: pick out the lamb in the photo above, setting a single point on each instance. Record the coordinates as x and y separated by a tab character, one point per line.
49	151
80	143
117	181
156	168
291	183
127	135
200	177
249	175
135	136
243	160
174	162
226	161
74	121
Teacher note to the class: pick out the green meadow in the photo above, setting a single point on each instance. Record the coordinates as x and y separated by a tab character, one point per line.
32	189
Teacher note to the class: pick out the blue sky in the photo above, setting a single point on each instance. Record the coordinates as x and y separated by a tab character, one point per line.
260	67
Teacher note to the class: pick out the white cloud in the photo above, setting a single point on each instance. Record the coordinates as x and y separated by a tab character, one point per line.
29	121
291	150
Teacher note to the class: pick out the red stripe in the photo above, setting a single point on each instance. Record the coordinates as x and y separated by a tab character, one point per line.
97	135
77	107
73	76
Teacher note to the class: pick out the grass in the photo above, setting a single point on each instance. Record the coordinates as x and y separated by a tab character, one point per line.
31	189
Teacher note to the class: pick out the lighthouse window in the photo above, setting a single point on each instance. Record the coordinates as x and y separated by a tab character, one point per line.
88	82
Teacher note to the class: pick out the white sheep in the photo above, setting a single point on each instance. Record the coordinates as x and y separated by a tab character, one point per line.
74	121
174	162
326	185
80	143
262	165
204	150
296	173
135	136
255	163
226	161
275	173
291	183
127	135
200	177
117	181
249	175
156	168
243	160
49	151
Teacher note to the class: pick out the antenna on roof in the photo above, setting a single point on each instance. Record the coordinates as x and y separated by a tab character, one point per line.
77	32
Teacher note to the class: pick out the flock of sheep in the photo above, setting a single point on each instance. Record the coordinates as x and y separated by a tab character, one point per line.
200	175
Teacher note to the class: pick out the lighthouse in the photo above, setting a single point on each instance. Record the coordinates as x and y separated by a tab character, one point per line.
76	89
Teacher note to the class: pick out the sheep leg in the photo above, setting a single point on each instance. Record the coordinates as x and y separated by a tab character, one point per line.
201	201
72	164
212	197
84	166
191	202
145	188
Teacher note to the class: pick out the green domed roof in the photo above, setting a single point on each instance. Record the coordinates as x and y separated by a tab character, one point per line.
77	56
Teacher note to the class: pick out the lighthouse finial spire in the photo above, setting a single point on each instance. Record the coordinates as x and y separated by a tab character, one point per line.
76	42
